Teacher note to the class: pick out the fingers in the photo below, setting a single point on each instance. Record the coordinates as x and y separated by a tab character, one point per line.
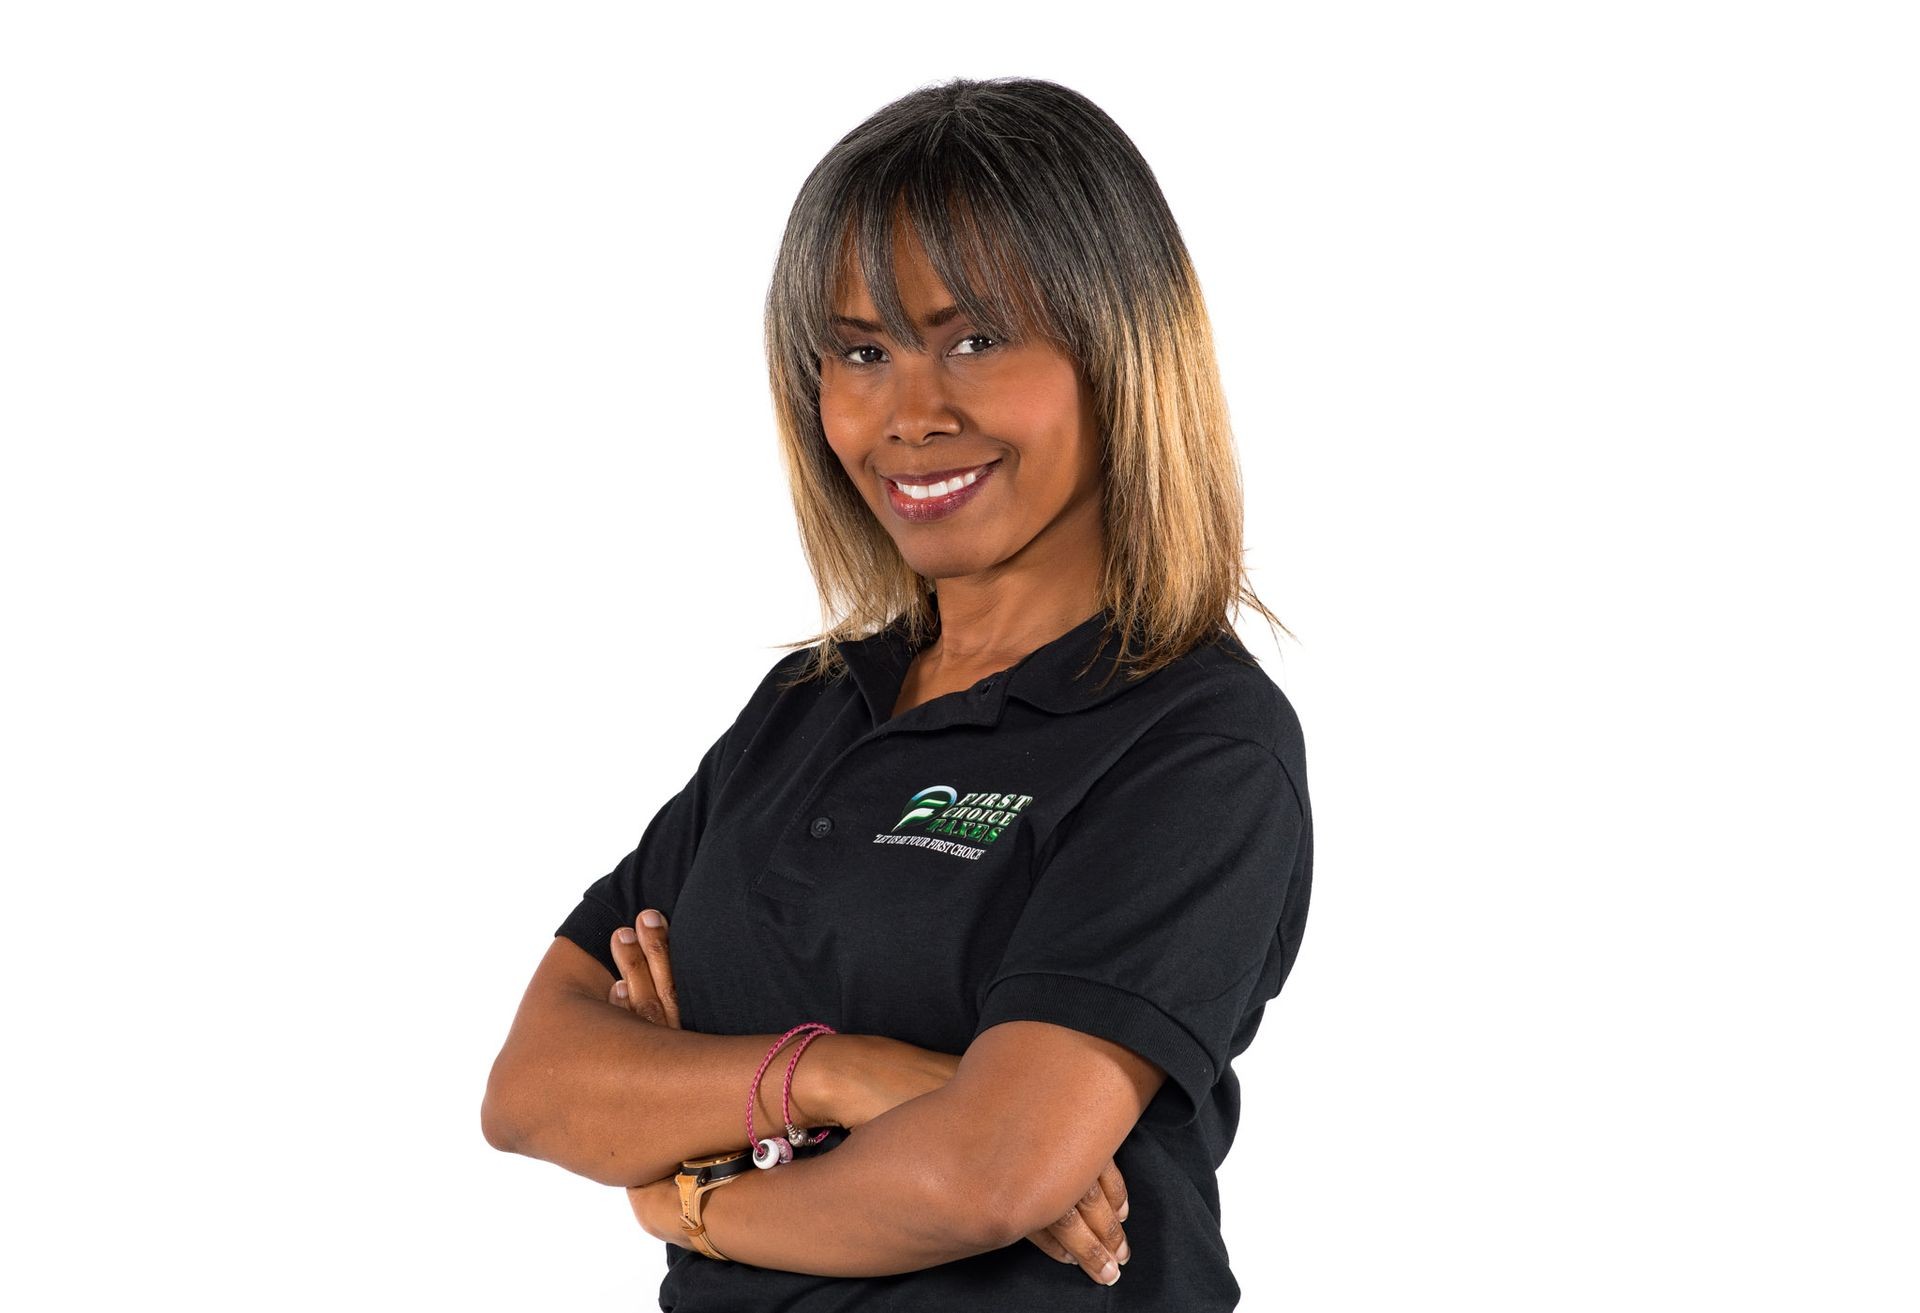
634	989
1089	1235
1099	1212
1050	1247
660	963
1114	1186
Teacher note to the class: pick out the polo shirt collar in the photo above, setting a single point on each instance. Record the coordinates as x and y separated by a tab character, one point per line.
1044	678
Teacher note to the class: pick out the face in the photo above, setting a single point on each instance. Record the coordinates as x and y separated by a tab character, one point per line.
981	457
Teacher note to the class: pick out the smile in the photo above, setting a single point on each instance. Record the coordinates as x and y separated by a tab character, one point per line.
923	502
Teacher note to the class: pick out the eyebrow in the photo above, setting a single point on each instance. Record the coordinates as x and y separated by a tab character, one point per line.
934	320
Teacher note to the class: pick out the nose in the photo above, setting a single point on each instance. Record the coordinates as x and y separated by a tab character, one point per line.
921	408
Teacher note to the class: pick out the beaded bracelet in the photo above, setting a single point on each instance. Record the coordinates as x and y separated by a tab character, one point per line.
774	1150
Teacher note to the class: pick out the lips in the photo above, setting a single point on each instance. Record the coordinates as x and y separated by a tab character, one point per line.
932	477
937	508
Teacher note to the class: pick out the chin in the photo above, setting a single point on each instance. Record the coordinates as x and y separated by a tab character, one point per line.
948	565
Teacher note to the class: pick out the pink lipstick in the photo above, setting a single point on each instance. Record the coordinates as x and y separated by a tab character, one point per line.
922	510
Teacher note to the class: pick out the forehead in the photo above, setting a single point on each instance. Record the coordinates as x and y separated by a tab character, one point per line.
995	292
911	267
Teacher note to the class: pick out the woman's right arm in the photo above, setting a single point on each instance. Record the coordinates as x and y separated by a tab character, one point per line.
600	1091
597	1090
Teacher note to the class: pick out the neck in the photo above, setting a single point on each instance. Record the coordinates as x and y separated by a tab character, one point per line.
995	625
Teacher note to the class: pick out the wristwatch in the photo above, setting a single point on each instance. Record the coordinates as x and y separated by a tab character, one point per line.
700	1176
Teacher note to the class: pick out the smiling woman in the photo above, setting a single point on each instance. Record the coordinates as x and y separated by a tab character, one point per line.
1000	423
1024	832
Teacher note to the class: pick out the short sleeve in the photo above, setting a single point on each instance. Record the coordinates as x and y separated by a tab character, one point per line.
1166	910
653	873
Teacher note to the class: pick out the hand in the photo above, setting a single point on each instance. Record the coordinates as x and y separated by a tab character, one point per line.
1089	1234
645	987
891	1071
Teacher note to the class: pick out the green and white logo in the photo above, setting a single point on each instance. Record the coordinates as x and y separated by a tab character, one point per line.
928	802
941	809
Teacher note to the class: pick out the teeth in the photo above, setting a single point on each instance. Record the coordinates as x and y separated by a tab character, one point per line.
939	489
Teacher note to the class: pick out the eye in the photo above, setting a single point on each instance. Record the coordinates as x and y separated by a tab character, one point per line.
849	354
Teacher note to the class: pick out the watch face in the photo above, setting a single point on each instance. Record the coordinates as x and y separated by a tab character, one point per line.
733	1167
702	1172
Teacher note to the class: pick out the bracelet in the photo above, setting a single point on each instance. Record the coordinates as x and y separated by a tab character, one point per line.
795	1136
774	1151
699	1177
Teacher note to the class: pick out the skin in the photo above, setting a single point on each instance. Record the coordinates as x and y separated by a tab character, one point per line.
1020	564
1088	1234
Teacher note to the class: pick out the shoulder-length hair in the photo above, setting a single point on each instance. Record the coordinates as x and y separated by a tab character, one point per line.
1041	217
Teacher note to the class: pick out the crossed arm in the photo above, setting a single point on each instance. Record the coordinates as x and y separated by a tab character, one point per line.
1003	1150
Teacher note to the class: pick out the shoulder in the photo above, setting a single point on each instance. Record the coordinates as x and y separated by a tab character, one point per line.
792	666
796	687
1220	689
792	674
776	686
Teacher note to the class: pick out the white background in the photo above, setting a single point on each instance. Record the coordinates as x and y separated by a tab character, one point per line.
391	514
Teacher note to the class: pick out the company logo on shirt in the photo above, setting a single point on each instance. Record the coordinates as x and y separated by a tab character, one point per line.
928	802
942	818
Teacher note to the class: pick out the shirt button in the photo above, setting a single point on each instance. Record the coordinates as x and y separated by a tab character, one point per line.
820	826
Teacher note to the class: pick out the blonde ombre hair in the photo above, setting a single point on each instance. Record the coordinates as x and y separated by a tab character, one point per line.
1041	217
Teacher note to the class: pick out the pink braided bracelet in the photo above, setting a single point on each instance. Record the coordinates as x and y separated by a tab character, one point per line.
774	1151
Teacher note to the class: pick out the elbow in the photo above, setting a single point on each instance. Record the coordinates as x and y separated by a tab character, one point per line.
494	1125
499	1120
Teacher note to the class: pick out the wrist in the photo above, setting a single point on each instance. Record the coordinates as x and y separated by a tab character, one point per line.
821	1079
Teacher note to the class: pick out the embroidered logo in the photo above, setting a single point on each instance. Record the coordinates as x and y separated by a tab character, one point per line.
941	810
927	802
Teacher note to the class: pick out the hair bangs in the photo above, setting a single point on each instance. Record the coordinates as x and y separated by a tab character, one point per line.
969	243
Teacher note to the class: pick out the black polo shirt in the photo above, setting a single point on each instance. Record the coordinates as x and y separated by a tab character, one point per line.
1132	861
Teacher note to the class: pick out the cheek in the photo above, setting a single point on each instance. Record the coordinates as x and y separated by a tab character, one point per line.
833	423
851	456
840	421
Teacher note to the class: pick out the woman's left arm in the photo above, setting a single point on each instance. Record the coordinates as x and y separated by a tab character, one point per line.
925	1182
932	1181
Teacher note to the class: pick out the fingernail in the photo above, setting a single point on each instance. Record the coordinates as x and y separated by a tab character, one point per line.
1110	1274
1126	1206
652	918
620	988
625	935
1126	1252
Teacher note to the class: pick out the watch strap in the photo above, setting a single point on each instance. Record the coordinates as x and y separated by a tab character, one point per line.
699	1176
695	1185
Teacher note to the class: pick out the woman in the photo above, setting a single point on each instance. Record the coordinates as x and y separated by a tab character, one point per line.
1026	826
